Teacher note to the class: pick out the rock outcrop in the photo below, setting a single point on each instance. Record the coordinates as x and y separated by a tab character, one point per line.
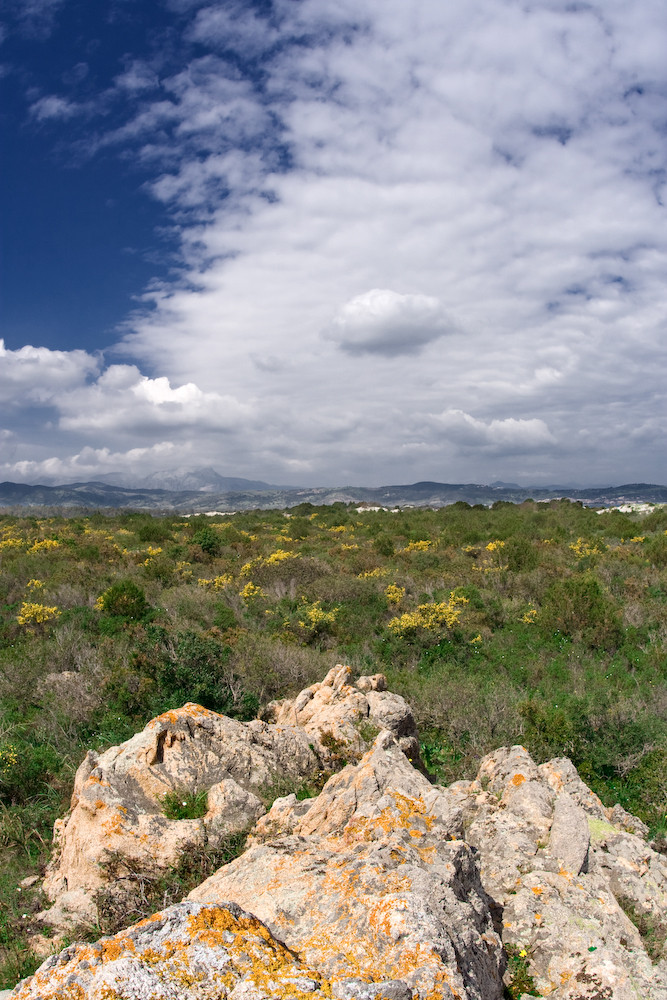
381	887
117	807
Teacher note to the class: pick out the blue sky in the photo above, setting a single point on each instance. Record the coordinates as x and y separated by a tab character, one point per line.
325	241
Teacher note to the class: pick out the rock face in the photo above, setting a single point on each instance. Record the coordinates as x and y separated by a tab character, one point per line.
566	872
373	880
382	887
117	804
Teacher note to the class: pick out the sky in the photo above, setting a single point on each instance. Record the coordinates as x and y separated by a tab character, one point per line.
334	242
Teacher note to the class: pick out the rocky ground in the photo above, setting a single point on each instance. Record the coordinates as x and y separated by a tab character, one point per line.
381	887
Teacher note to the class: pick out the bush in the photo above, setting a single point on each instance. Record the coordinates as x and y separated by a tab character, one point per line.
124	599
579	608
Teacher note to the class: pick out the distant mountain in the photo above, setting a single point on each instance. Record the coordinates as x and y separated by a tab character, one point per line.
207	480
100	495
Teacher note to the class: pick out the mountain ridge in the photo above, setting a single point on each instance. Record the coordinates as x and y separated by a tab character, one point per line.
98	494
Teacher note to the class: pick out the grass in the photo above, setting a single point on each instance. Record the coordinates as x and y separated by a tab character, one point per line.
182	804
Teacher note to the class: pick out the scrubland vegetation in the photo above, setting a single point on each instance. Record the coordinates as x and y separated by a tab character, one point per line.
542	624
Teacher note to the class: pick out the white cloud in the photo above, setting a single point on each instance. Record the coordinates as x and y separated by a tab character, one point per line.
508	436
384	322
53	107
37	375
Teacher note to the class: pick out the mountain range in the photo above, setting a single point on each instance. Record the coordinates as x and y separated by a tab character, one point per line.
204	490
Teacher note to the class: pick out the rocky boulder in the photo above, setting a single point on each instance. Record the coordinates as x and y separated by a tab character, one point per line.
117	808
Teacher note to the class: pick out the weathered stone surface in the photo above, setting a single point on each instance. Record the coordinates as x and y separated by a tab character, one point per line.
117	800
374	882
383	887
580	942
338	707
539	831
569	838
190	951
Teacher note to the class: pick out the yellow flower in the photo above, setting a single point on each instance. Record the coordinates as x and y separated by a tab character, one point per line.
421	546
394	594
46	543
31	614
431	617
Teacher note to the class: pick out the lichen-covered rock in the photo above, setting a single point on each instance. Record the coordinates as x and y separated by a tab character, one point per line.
580	942
189	951
382	887
342	709
117	803
374	881
565	871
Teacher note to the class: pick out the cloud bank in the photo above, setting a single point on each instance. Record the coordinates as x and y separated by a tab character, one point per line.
418	241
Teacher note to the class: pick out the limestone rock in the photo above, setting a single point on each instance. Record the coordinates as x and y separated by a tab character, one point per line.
117	807
569	838
373	882
580	942
340	708
382	887
117	800
187	952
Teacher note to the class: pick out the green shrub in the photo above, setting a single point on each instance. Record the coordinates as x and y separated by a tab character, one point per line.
578	607
126	600
208	540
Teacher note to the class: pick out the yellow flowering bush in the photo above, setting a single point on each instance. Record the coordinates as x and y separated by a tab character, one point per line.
36	614
582	548
280	555
44	545
529	617
11	543
431	617
9	758
251	591
218	582
421	546
394	593
34	585
374	574
309	621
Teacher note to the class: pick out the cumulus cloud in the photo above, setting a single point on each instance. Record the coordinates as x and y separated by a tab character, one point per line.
37	375
384	322
508	436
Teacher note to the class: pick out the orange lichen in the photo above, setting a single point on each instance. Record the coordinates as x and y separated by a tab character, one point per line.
517	780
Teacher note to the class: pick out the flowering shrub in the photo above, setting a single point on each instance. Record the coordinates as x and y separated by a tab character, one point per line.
9	758
280	555
36	614
34	585
421	546
44	545
217	583
394	594
251	591
11	543
432	617
582	548
529	617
